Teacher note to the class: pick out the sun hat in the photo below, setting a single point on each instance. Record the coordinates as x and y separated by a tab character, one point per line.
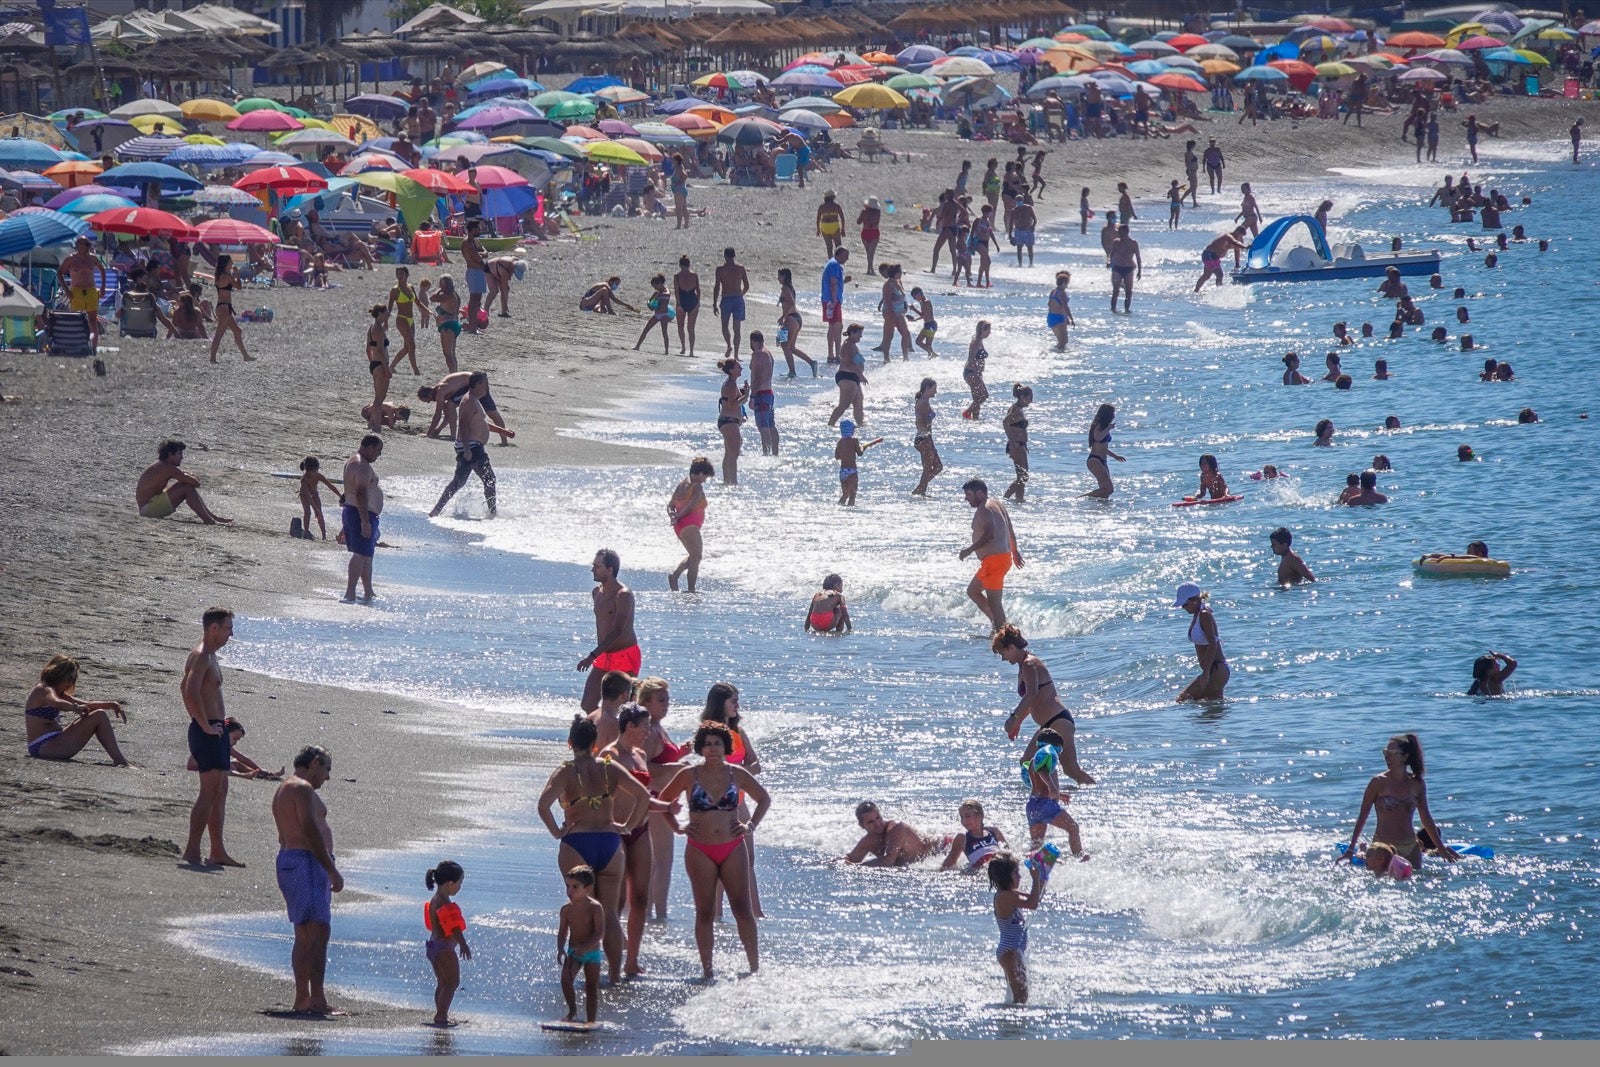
1186	592
872	202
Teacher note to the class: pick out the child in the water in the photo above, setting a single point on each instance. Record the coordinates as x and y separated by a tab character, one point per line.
1046	806
1211	481
1382	860
827	614
848	452
583	920
1010	906
977	843
447	932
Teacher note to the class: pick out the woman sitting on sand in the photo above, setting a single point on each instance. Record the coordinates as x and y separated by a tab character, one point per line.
714	858
687	513
591	834
1398	794
1214	671
186	322
48	737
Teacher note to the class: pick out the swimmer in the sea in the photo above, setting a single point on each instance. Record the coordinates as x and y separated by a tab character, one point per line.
976	843
1380	462
1380	370
1489	674
1352	486
1211	480
1342	333
827	613
1334	370
1324	434
1368	493
1292	570
890	844
1291	370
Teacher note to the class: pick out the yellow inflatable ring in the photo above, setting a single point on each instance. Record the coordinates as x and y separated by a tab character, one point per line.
1445	565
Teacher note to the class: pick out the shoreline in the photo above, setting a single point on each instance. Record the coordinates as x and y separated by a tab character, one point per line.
153	580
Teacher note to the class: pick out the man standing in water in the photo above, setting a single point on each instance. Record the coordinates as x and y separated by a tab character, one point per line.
1191	171
1124	262
472	429
307	876
208	738
763	401
1576	133
728	294
833	279
1211	257
616	648
363	501
994	542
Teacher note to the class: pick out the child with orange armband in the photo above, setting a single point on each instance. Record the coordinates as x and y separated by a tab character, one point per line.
447	929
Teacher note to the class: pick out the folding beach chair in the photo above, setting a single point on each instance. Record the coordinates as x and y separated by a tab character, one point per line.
69	334
18	332
427	246
108	295
42	282
138	315
784	167
287	266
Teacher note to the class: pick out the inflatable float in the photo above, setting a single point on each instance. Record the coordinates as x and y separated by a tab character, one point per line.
1265	263
1191	501
1482	852
1446	565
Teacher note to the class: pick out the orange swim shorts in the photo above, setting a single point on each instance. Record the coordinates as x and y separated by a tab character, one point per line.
992	571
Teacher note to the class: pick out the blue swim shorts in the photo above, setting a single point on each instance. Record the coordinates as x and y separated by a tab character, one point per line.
734	306
763	404
358	545
1041	810
305	887
477	281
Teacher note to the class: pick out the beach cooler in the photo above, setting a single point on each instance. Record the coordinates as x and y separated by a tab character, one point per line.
138	317
286	266
69	334
427	246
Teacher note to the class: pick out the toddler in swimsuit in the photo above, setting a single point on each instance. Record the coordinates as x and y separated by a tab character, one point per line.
827	613
849	452
1046	806
447	929
583	919
311	479
1010	908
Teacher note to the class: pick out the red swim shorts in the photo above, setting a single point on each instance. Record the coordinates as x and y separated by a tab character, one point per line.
627	660
832	311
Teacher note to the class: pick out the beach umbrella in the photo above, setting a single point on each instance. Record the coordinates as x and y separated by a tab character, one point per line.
613	152
830	59
205	109
377	106
1504	20
150	146
95	203
804	121
1516	55
283	180
256	103
567	149
1056	83
899	83
499	87
682	104
142	222
67	196
1480	42
480	70
68	112
1185	41
744	132
1414	39
314	139
1321	43
854	76
572	109
692	124
1147	67
1238	42
72	172
960	67
1182	83
720	115
438	181
215	155
1155	48
593	83
1215	67
24	231
1424	74
658	133
148	106
1039	44
1181	63
549	99
134	175
806	81
493	177
820	104
485	118
919	54
1447	56
622	95
157	124
234	232
21	153
1261	74
224	196
264	120
649	152
505	103
26	179
719	80
873	97
271	158
1068	59
358	128
373	161
1087	29
1556	33
615	128
577	132
1336	70
473	154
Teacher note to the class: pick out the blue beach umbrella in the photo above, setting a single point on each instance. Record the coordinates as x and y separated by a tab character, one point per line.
1281	50
1146	68
377	106
807	81
134	175
20	153
820	104
150	146
25	179
594	84
96	202
1261	74
919	54
213	155
27	230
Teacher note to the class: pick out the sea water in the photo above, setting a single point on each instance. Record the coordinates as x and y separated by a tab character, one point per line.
1210	907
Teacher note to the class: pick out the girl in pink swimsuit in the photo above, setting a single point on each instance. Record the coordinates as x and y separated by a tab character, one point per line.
687	512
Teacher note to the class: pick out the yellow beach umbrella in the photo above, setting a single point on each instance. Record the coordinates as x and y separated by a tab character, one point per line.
156	124
355	127
1336	70
204	138
1219	66
1533	58
1067	59
1469	29
205	109
316	124
612	152
870	96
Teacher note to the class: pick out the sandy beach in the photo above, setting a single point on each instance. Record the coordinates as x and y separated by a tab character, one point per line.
90	864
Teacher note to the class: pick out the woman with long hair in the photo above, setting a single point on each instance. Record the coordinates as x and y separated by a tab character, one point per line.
1016	427
972	373
665	760
227	283
1100	449
932	465
790	322
722	705
1399	795
628	752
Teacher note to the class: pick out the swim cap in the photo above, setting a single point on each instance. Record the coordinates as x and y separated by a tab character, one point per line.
846	428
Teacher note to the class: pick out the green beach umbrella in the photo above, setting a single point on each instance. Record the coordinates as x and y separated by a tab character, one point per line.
902	82
256	103
546	101
552	144
571	109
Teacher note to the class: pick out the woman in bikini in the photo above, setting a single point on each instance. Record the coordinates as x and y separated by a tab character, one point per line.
447	308
1399	795
730	416
378	363
591	835
714	857
227	283
628	752
1100	448
1038	697
830	224
851	375
972	373
48	737
789	323
687	284
403	299
679	184
1015	424
869	222
722	706
687	513
932	465
665	760
1214	671
893	305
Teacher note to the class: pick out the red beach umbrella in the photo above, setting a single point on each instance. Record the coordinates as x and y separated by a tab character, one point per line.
492	177
235	232
266	121
1185	41
1414	39
143	222
285	181
438	181
1301	74
1182	83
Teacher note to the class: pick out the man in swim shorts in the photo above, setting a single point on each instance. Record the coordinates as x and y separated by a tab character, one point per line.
763	401
728	294
477	275
363	501
1211	256
83	270
890	844
1124	261
994	542
472	430
164	485
201	689
307	875
616	648
833	282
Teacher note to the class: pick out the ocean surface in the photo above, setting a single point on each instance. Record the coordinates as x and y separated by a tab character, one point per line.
1210	908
